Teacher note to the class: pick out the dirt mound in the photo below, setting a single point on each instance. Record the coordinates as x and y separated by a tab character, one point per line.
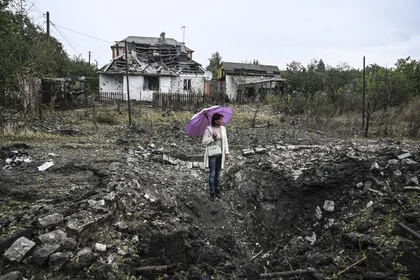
291	207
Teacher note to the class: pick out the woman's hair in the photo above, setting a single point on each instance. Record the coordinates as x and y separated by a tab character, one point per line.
216	117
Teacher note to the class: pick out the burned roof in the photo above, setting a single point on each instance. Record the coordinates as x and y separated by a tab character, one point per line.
144	64
140	40
249	69
251	80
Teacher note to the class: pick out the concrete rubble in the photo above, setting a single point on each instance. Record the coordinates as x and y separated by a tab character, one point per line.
313	203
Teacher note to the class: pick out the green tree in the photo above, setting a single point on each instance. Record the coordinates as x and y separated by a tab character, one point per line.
214	64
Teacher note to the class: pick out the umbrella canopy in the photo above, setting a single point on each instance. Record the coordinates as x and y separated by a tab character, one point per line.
198	123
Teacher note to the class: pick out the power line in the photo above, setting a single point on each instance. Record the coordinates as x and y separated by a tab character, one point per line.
83	34
65	39
37	10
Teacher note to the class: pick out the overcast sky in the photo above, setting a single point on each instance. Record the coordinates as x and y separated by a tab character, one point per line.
273	32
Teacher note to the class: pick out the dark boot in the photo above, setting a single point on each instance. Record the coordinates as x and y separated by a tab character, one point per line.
217	193
212	196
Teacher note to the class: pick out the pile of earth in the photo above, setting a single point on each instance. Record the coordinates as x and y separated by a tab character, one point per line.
291	207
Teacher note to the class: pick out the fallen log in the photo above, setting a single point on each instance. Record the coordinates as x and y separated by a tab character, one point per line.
409	230
288	273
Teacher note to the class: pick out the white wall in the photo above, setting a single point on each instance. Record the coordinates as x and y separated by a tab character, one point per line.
136	86
231	87
197	84
165	84
118	83
113	83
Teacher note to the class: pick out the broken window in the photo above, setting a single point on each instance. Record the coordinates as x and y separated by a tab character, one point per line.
187	84
151	83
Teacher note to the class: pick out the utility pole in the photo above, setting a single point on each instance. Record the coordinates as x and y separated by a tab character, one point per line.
128	83
363	89
89	57
48	24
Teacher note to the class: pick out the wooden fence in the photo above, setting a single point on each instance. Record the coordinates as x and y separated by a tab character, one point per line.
110	96
178	101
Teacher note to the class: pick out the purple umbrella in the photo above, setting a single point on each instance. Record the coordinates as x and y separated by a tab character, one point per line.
198	123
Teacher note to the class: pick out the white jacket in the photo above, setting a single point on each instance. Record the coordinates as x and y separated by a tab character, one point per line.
208	139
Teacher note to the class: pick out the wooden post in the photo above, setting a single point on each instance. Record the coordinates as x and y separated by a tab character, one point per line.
40	104
363	89
128	84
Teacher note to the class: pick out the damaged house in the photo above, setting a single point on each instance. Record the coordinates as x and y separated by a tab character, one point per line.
242	81
155	64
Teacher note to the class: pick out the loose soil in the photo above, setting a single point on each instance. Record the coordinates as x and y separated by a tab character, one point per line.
319	203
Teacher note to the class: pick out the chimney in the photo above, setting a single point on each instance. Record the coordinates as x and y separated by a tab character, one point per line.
162	37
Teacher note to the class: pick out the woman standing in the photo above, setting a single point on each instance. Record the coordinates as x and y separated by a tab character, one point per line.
215	134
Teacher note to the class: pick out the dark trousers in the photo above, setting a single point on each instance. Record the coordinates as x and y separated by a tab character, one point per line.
215	165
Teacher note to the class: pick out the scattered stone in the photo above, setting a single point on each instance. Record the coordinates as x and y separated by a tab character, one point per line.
260	150
51	221
329	223
311	239
328	206
359	185
121	252
405	155
83	259
280	147
96	204
413	181
100	247
397	173
393	163
53	237
45	166
318	213
41	255
412	189
19	249
375	166
58	260
14	275
248	152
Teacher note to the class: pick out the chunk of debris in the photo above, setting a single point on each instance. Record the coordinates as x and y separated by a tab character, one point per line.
375	166
41	255
329	223
318	213
53	237
281	147
311	239
260	150
329	205
359	185
51	221
405	155
397	173
14	275
247	152
413	181
100	247
19	249
45	166
411	189
58	260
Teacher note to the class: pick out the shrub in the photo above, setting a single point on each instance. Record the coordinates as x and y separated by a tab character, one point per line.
107	118
410	115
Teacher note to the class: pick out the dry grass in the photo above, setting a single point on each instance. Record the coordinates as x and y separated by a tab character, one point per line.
17	133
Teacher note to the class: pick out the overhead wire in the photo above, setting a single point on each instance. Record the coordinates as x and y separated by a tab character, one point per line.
84	34
62	36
